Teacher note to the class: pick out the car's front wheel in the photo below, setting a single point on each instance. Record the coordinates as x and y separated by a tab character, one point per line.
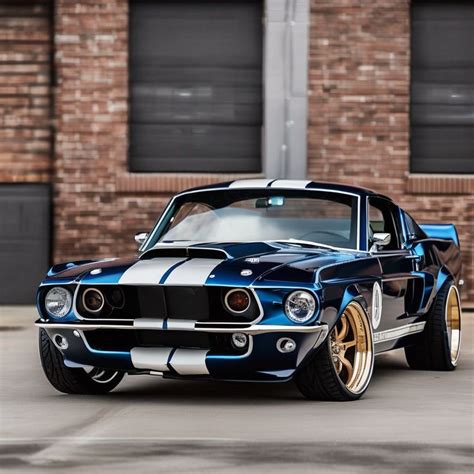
341	370
75	381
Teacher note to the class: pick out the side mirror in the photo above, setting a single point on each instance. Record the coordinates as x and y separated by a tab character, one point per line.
141	237
380	239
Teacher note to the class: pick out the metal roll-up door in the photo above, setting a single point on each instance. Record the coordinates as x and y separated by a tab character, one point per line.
24	241
442	87
196	86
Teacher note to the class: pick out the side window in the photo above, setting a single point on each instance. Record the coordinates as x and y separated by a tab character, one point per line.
413	229
383	217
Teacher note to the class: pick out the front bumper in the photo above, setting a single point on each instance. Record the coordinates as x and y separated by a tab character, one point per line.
262	360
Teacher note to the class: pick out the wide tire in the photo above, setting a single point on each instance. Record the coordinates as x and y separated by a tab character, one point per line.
439	344
73	381
323	377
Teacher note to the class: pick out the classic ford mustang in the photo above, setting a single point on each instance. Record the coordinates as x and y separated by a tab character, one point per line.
259	280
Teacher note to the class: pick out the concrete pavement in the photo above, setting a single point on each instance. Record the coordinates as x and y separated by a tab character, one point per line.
408	421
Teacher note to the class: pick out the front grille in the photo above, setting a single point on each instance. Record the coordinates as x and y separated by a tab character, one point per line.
125	340
204	304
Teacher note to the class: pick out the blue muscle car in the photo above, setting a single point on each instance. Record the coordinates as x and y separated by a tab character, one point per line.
259	280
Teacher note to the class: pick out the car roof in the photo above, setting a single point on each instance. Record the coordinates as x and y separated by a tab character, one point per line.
287	184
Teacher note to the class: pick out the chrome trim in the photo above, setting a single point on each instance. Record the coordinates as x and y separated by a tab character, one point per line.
141	237
226	303
148	323
396	333
84	301
253	329
180	324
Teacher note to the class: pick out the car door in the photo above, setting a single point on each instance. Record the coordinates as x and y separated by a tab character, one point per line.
399	283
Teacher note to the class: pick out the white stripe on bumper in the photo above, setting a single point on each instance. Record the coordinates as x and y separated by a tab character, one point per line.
189	362
151	358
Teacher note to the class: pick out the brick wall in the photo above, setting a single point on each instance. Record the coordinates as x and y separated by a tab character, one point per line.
25	92
358	128
359	114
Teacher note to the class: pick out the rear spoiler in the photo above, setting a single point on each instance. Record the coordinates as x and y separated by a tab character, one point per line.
441	231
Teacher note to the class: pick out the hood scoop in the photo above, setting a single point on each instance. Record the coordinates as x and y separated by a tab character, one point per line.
185	252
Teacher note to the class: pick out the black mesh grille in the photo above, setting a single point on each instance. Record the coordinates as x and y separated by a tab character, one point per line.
160	302
123	340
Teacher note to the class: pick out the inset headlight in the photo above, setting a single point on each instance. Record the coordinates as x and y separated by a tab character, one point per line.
237	300
300	306
58	302
93	300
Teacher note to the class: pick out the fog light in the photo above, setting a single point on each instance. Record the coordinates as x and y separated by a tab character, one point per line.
239	340
60	342
285	345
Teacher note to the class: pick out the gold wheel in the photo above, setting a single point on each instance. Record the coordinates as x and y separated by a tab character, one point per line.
453	323
351	348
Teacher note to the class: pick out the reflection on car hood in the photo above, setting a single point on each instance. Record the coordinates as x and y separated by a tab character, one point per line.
210	263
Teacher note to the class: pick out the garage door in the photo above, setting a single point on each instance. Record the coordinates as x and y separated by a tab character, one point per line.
196	85
24	241
442	92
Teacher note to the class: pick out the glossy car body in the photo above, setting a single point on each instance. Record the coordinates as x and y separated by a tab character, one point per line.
185	330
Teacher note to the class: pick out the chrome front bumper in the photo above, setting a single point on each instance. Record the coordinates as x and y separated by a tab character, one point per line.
184	325
262	361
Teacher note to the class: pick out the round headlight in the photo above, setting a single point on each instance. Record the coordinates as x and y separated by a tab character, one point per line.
237	301
300	306
58	302
93	300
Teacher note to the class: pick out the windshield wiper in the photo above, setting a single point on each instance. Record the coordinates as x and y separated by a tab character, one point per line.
307	243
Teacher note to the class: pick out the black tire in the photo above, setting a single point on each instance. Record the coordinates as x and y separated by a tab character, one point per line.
66	380
318	379
433	351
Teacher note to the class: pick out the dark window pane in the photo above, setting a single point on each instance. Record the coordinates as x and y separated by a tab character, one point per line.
442	88
196	86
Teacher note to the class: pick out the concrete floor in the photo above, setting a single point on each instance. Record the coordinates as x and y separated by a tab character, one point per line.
407	422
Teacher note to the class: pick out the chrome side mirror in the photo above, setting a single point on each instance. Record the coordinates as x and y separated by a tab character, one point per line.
141	237
380	239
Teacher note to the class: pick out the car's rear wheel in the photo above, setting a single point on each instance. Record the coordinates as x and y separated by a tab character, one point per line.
77	381
439	345
341	370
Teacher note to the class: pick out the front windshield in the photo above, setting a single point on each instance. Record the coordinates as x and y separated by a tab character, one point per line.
260	215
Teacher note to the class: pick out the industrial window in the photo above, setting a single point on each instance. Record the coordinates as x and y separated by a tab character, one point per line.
442	87
196	86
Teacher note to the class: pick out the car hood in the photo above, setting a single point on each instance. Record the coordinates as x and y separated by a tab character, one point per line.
212	263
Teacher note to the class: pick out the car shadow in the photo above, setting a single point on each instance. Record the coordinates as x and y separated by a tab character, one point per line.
210	392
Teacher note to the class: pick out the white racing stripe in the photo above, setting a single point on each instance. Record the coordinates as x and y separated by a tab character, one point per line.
151	358
396	333
290	183
148	323
148	271
250	183
193	272
189	361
